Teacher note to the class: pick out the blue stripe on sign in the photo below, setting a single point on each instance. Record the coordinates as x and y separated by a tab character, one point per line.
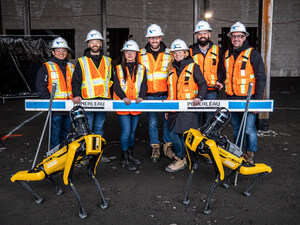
145	105
252	105
45	105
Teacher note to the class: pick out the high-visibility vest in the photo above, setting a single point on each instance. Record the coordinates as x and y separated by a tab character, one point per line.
131	86
95	81
184	87
208	65
156	70
239	73
63	86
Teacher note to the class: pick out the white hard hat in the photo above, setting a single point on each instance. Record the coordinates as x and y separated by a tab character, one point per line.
130	45
178	44
238	27
59	42
154	31
202	25
94	35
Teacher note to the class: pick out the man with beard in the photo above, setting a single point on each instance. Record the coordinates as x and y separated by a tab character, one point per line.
92	80
57	70
242	64
207	56
155	57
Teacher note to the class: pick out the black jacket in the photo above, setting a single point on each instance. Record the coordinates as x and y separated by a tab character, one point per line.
118	90
77	75
258	67
196	50
155	54
186	120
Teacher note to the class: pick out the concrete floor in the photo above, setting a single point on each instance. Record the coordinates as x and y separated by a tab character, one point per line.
150	195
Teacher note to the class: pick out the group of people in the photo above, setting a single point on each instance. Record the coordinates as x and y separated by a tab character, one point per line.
156	72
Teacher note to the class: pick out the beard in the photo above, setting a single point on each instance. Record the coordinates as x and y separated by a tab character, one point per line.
95	50
203	43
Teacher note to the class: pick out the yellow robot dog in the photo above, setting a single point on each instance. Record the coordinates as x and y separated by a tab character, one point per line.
209	143
81	145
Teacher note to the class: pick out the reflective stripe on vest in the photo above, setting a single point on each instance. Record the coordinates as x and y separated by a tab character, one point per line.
208	66
137	81
156	70
63	85
239	73
184	86
95	83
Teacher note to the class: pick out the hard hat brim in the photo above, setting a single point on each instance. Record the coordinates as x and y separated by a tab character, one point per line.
162	34
202	30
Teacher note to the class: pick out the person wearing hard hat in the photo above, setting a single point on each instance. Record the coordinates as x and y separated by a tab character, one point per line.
155	57
207	55
57	70
185	82
92	80
130	84
243	64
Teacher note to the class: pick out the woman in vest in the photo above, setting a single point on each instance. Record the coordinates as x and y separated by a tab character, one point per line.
185	82
130	84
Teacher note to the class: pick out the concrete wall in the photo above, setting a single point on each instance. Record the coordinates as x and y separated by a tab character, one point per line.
174	16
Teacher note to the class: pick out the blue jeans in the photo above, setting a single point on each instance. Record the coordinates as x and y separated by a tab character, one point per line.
153	124
60	128
250	135
128	126
96	121
206	115
178	143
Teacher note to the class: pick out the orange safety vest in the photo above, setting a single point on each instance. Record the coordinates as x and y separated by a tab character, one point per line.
208	65
130	86
157	71
95	81
63	86
183	88
239	73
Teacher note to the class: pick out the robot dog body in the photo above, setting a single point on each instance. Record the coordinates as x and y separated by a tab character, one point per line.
82	145
209	143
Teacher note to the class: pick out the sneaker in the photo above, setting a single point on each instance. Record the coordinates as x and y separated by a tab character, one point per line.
104	159
177	165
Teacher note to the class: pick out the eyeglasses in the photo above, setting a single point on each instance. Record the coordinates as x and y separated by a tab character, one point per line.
237	36
60	50
94	42
202	33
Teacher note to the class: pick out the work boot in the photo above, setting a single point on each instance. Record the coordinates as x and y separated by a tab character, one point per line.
155	152
167	148
126	163
250	157
131	157
177	165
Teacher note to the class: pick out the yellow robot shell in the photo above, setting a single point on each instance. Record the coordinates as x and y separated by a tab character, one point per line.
28	176
93	144
257	168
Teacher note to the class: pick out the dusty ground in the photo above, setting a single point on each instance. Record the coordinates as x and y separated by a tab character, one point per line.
150	195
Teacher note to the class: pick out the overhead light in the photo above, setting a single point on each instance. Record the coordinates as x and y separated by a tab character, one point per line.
208	15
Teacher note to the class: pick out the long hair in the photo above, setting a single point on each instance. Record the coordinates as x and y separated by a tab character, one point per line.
170	65
123	64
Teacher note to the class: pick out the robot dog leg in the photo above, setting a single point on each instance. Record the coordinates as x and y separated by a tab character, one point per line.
209	143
